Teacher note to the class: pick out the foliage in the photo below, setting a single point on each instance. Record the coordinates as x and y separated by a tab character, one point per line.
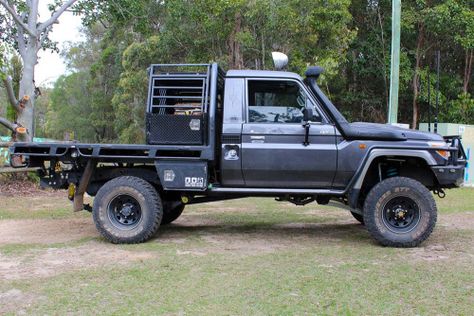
350	39
131	93
89	87
362	87
67	107
41	109
237	34
460	110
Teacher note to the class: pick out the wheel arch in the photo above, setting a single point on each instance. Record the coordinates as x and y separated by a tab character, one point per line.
103	175
413	164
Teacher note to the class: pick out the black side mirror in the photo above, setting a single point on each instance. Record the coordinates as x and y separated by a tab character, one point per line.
307	114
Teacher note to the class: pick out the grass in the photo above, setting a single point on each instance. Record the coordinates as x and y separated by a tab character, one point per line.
20	249
54	206
290	282
457	200
259	257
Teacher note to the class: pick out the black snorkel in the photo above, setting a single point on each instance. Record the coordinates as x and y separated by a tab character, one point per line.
350	131
312	74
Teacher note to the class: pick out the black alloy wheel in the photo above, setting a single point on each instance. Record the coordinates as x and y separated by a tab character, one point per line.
124	212
401	214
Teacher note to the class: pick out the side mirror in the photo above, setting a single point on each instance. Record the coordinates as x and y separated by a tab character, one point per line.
307	114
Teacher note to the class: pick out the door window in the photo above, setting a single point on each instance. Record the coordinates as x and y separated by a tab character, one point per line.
277	101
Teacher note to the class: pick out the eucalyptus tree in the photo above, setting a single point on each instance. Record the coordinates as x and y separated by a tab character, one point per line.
20	28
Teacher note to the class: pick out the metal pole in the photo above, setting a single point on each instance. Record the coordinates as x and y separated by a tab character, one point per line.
395	62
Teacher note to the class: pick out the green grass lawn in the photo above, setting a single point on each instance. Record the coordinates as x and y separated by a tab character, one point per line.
250	257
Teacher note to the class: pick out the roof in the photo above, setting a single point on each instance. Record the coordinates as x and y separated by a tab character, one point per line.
262	74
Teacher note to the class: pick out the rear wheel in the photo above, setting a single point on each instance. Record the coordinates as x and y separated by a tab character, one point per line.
400	212
127	210
171	211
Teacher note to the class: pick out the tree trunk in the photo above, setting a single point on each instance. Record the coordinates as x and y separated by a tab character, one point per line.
26	116
383	66
234	46
467	70
419	46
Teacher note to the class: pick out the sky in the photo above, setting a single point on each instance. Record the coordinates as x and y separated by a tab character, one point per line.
50	65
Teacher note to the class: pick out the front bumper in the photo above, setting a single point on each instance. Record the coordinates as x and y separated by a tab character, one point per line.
449	176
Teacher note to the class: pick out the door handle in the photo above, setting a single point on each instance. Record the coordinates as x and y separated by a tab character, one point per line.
257	137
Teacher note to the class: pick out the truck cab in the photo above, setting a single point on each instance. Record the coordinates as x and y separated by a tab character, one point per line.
264	130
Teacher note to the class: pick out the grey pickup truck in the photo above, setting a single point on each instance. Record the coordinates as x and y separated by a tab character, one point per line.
213	135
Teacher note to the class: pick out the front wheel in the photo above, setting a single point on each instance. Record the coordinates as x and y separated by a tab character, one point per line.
400	212
127	210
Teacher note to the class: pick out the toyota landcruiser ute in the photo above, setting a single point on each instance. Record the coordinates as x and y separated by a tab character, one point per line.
213	135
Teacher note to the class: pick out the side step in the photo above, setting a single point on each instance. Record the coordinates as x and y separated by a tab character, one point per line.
276	191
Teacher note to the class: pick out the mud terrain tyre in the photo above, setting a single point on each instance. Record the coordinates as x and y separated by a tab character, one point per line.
171	211
400	212
127	210
358	217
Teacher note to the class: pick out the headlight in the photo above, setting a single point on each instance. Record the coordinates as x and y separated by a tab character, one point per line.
443	153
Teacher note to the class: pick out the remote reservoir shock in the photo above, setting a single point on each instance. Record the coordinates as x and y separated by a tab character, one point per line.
391	172
387	171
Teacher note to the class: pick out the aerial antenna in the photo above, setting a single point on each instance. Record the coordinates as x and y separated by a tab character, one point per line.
429	99
438	57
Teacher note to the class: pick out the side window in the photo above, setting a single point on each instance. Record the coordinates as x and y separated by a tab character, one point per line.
275	101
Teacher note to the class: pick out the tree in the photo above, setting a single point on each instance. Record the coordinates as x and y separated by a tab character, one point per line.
80	101
68	109
236	34
453	21
19	26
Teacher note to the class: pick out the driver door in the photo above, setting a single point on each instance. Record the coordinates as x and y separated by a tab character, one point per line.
273	154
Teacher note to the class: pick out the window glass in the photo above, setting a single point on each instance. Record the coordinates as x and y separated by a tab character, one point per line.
274	101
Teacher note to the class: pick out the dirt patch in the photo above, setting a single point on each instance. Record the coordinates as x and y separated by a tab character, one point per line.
25	189
455	252
247	244
449	241
53	261
434	252
463	220
15	300
254	239
44	231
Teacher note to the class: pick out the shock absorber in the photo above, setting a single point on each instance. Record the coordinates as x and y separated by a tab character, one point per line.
391	172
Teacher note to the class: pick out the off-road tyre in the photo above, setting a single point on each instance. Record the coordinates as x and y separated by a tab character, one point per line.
358	217
170	214
135	195
392	197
